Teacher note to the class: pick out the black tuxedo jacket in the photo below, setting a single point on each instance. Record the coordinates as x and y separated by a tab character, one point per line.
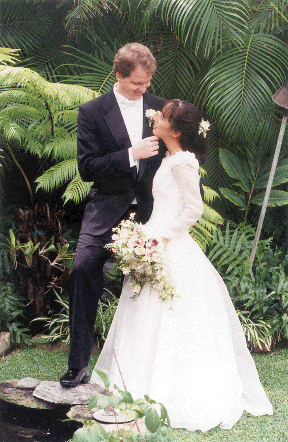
102	153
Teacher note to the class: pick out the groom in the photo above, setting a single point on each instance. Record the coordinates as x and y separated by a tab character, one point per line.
117	151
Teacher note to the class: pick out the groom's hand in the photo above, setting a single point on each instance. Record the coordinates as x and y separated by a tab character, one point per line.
146	148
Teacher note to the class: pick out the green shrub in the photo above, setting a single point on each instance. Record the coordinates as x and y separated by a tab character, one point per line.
57	326
260	294
11	313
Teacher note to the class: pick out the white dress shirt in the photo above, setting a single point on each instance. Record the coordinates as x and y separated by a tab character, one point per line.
132	113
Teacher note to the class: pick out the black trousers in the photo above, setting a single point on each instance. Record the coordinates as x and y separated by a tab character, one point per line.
85	290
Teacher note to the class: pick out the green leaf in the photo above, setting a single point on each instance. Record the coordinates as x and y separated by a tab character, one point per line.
234	197
86	434
93	401
147	398
164	414
100	429
114	401
152	420
233	167
103	402
276	198
280	177
127	397
121	435
104	378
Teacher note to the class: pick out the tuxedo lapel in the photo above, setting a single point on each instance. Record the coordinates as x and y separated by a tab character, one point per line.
115	122
147	132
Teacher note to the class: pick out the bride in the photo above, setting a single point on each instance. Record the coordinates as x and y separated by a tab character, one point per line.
194	358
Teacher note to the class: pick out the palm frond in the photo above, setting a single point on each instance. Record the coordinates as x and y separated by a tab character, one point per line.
210	24
177	62
241	82
93	70
268	17
21	25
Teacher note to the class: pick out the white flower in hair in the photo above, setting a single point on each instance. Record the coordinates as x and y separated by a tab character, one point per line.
151	114
203	127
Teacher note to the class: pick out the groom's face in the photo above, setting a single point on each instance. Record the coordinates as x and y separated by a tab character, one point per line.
134	86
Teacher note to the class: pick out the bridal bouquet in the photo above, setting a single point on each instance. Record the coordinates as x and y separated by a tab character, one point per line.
141	259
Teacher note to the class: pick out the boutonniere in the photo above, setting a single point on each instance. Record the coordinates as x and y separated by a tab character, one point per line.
203	127
150	114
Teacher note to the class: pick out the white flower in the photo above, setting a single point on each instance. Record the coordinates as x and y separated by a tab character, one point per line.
151	114
204	127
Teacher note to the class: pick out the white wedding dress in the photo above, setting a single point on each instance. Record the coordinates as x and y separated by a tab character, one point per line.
194	358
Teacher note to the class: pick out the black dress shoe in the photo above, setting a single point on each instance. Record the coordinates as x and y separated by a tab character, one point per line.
74	377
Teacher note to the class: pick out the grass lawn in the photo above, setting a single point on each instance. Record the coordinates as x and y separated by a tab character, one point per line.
272	368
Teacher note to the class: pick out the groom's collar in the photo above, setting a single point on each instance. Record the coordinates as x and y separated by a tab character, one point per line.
111	99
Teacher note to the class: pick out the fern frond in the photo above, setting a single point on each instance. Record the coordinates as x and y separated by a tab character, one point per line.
12	130
231	248
62	148
201	235
77	190
57	175
8	55
209	194
66	117
16	113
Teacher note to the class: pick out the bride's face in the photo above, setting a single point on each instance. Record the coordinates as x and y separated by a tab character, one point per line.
162	127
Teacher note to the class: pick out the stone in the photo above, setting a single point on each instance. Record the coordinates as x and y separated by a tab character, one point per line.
80	412
27	383
53	392
10	393
5	343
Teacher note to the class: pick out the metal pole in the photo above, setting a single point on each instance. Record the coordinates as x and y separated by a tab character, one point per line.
268	190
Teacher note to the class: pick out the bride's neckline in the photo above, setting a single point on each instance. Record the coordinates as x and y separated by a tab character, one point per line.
168	155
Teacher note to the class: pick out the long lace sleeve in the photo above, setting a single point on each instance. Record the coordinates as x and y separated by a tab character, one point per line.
188	181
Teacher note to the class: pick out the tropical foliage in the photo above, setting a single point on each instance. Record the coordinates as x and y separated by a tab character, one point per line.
260	294
40	117
252	179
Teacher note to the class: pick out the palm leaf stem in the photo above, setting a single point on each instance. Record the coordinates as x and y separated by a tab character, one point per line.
250	195
21	170
245	70
102	85
278	10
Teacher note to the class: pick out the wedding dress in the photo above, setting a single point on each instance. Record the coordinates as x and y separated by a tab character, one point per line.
194	358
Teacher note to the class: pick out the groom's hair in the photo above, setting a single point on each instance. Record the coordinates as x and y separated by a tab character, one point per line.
132	55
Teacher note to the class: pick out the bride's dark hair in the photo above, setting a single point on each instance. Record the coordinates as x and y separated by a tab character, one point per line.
185	118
